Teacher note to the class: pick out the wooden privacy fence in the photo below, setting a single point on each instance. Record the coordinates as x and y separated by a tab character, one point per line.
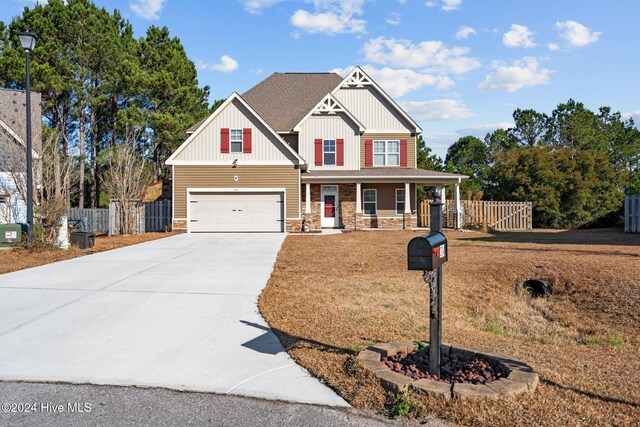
632	213
157	215
482	214
91	220
150	216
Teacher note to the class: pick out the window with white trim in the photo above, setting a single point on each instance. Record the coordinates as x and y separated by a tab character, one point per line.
235	140
400	201
369	201
386	153
329	152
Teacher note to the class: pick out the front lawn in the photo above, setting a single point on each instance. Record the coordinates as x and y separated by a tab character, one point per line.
19	259
330	296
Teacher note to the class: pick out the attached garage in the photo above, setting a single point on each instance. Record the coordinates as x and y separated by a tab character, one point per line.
231	211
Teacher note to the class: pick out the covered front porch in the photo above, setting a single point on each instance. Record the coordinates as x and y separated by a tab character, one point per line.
369	198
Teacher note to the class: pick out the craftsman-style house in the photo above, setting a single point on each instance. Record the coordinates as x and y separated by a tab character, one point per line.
312	148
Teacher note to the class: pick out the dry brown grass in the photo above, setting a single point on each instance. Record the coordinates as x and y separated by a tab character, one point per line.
330	296
19	259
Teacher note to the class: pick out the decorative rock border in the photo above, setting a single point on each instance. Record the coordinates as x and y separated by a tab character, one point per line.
521	377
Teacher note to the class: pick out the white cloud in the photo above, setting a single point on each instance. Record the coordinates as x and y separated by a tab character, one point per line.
147	9
449	5
394	19
440	141
576	34
464	32
226	65
256	6
437	109
432	55
635	115
331	17
522	73
446	5
553	47
398	82
481	130
518	36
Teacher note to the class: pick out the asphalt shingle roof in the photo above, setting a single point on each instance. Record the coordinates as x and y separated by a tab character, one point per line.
283	99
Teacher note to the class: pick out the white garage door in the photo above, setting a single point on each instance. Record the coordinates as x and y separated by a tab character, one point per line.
237	212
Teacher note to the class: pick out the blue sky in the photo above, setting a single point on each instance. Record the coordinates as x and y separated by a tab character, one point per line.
458	66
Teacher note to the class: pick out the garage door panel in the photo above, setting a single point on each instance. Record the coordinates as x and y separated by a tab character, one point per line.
237	212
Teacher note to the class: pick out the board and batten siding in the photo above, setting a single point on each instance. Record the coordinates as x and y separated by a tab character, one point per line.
411	147
330	127
386	198
372	110
248	177
205	145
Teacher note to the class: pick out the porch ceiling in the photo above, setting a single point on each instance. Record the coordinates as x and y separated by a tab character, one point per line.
383	175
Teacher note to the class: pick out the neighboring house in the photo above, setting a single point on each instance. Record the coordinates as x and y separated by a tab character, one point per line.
13	151
312	147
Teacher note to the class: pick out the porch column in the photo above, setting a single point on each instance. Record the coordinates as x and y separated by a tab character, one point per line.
358	197
407	197
458	207
445	209
307	199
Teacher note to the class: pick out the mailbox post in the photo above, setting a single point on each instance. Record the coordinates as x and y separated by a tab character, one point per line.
435	294
428	253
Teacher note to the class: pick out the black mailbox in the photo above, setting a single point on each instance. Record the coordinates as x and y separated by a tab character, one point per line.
428	252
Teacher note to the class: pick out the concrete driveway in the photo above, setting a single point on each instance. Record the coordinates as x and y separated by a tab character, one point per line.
179	313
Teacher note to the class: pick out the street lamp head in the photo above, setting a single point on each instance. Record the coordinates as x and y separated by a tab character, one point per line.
27	40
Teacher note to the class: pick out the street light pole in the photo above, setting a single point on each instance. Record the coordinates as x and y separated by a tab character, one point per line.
28	41
29	156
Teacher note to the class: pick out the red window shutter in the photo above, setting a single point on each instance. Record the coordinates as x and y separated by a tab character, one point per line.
368	153
318	145
339	152
246	140
403	153
224	140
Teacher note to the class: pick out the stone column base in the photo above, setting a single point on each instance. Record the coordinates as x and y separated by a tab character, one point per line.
359	223
407	221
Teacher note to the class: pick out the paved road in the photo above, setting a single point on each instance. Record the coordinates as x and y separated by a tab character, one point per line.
130	406
177	313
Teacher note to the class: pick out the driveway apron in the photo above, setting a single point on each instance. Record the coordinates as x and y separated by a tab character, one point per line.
179	312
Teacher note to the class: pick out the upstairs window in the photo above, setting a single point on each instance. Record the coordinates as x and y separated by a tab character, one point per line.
329	152
386	153
235	140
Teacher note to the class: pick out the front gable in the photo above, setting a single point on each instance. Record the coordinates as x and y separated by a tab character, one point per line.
209	144
376	110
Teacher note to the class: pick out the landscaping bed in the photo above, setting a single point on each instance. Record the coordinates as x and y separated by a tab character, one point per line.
455	368
329	299
20	258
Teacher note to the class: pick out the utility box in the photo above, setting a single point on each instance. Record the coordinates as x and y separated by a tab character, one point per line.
428	252
83	239
10	234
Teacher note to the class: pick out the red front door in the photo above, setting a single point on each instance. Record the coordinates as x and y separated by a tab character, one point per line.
329	206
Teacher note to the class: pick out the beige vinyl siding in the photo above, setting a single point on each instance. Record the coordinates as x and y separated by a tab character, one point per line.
372	110
330	127
248	177
206	144
411	146
386	194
